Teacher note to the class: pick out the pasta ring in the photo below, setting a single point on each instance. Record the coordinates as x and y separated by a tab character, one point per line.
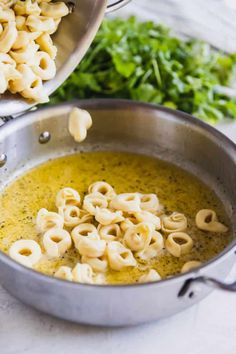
138	237
79	122
207	220
64	273
119	257
54	10
47	220
128	202
44	66
152	275
67	196
190	265
70	214
82	273
178	249
46	45
105	216
97	264
155	247
102	187
26	252
110	232
175	222
146	216
149	202
8	37
56	242
91	201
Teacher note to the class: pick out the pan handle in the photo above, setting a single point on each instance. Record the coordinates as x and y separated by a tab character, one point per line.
212	282
116	5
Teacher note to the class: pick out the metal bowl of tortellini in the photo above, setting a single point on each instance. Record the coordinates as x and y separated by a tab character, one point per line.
120	125
41	43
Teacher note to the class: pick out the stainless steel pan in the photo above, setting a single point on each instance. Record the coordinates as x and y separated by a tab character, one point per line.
72	40
129	126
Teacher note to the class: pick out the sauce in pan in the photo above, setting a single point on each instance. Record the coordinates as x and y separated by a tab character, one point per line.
176	189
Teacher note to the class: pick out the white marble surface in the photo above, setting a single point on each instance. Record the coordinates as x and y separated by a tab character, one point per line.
208	327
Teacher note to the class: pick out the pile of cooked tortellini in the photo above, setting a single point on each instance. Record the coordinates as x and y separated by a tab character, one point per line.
110	232
27	53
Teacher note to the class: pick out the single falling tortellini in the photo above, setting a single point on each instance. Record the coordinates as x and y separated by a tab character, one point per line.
175	222
47	220
67	196
152	275
178	243
153	249
56	242
106	217
119	257
138	237
79	122
207	220
26	252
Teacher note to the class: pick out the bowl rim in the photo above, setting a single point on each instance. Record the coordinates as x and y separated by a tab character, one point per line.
117	104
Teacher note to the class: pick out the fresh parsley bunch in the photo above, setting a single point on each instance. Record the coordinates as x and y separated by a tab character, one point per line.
143	61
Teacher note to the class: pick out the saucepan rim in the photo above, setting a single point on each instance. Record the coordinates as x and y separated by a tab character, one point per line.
98	104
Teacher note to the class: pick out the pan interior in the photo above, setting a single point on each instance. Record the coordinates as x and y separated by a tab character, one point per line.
126	172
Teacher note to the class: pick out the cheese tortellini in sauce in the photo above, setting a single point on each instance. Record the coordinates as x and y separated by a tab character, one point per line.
110	233
25	35
207	220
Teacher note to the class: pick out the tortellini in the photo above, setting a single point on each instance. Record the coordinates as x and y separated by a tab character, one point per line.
94	200
47	220
178	243
70	214
175	222
119	256
26	252
109	232
102	187
106	217
138	237
65	273
127	202
87	241
25	29
56	242
83	273
79	122
152	275
207	220
190	265
67	196
154	248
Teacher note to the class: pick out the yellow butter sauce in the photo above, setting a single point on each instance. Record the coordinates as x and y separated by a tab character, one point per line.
176	189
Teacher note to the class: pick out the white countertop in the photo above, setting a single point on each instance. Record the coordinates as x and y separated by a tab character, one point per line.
208	327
